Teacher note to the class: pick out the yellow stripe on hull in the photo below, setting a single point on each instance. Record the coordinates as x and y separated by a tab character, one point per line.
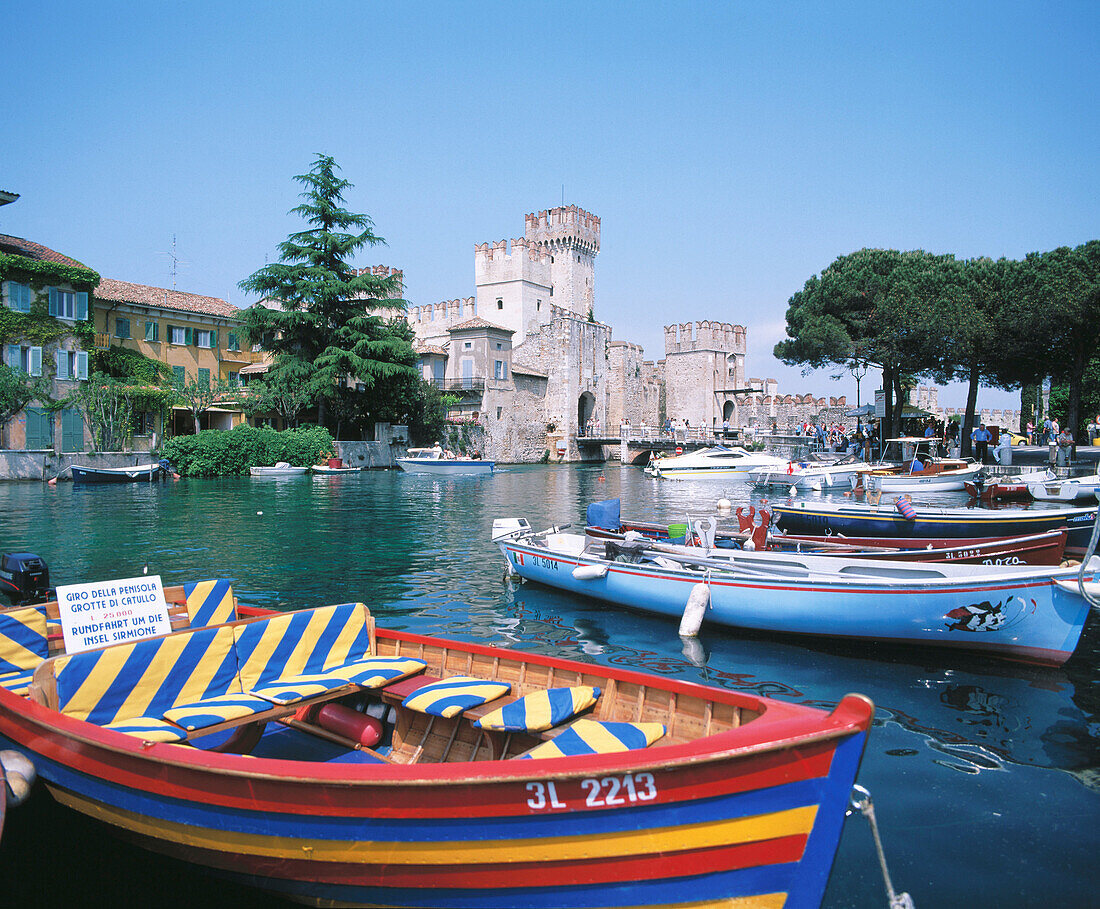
792	822
761	901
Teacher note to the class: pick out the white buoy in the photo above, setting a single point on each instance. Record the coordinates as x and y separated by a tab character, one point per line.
697	603
749	545
19	775
724	505
793	491
259	512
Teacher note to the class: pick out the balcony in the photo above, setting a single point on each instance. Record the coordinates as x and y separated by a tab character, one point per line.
465	385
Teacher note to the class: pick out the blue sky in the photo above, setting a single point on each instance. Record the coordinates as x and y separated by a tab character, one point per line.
731	150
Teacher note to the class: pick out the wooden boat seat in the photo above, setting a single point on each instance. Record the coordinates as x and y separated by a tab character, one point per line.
24	643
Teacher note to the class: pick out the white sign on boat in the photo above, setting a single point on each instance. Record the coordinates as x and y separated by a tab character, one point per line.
109	612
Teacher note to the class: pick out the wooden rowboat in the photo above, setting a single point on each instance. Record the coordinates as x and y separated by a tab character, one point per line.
139	473
625	790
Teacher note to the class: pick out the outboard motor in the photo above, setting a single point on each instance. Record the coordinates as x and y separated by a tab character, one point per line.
24	578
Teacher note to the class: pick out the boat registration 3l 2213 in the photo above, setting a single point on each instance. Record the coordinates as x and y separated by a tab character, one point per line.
596	792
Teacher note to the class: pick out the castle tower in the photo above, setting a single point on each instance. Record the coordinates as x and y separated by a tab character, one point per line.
571	237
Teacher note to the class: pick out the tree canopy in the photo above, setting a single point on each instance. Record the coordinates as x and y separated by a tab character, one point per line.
329	324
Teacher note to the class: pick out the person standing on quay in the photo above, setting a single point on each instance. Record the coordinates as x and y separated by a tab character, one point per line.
981	437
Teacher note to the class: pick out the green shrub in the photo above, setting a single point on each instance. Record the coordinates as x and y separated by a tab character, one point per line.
220	453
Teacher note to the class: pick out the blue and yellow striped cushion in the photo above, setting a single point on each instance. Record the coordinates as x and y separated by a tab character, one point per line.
310	642
149	729
23	640
540	709
298	688
17	682
219	709
374	672
598	737
148	677
448	697
209	603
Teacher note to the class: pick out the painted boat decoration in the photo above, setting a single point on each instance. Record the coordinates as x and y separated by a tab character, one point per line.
731	463
1006	488
431	460
755	534
494	778
139	473
885	520
1075	489
1012	612
282	469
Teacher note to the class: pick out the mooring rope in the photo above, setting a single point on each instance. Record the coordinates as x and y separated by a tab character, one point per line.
860	800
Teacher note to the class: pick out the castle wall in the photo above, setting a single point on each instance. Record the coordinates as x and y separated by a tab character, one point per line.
633	391
703	362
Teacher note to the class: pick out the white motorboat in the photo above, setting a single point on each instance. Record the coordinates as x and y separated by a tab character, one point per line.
281	469
811	476
433	460
910	465
719	461
1074	489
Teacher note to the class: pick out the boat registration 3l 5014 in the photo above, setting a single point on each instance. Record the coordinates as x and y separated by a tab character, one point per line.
597	792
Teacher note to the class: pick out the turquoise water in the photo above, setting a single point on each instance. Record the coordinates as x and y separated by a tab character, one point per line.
985	775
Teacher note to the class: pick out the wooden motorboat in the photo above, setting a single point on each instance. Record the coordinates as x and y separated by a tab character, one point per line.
1013	612
328	470
886	520
755	533
1005	488
433	461
318	757
139	473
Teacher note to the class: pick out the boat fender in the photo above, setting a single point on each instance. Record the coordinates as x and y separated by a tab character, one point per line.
19	776
724	505
906	509
696	607
632	536
589	572
351	724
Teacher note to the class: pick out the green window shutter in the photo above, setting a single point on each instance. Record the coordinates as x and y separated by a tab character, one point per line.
53	301
14	355
214	339
150	331
179	374
189	336
204	376
231	341
36	361
62	364
81	306
82	364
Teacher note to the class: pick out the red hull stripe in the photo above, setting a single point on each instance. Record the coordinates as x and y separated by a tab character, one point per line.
778	851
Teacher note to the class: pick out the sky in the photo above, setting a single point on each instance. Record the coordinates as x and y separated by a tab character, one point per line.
731	150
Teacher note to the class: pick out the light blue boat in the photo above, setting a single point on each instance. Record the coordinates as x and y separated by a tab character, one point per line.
1017	612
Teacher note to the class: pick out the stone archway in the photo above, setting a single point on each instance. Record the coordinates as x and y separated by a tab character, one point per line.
586	410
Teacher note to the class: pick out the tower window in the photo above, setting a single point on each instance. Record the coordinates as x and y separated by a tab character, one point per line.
538	305
500	304
551	260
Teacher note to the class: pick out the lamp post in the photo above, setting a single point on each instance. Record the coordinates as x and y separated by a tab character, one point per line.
859	370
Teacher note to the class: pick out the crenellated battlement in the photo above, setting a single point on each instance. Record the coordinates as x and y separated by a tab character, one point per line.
705	335
381	271
509	250
446	312
570	226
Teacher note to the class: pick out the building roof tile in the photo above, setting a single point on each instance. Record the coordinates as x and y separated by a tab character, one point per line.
28	249
478	322
144	295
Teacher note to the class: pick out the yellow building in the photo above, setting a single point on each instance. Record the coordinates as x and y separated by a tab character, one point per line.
198	337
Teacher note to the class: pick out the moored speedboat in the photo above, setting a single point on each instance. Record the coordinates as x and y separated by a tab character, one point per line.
1074	489
1006	487
718	461
432	460
281	469
808	476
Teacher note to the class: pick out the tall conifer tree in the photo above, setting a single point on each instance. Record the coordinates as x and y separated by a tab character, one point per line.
325	321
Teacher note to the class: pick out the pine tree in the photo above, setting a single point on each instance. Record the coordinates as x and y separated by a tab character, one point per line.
319	315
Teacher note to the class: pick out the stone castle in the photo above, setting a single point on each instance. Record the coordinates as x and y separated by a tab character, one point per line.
529	362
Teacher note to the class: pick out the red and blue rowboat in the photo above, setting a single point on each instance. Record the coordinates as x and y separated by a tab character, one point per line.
739	801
